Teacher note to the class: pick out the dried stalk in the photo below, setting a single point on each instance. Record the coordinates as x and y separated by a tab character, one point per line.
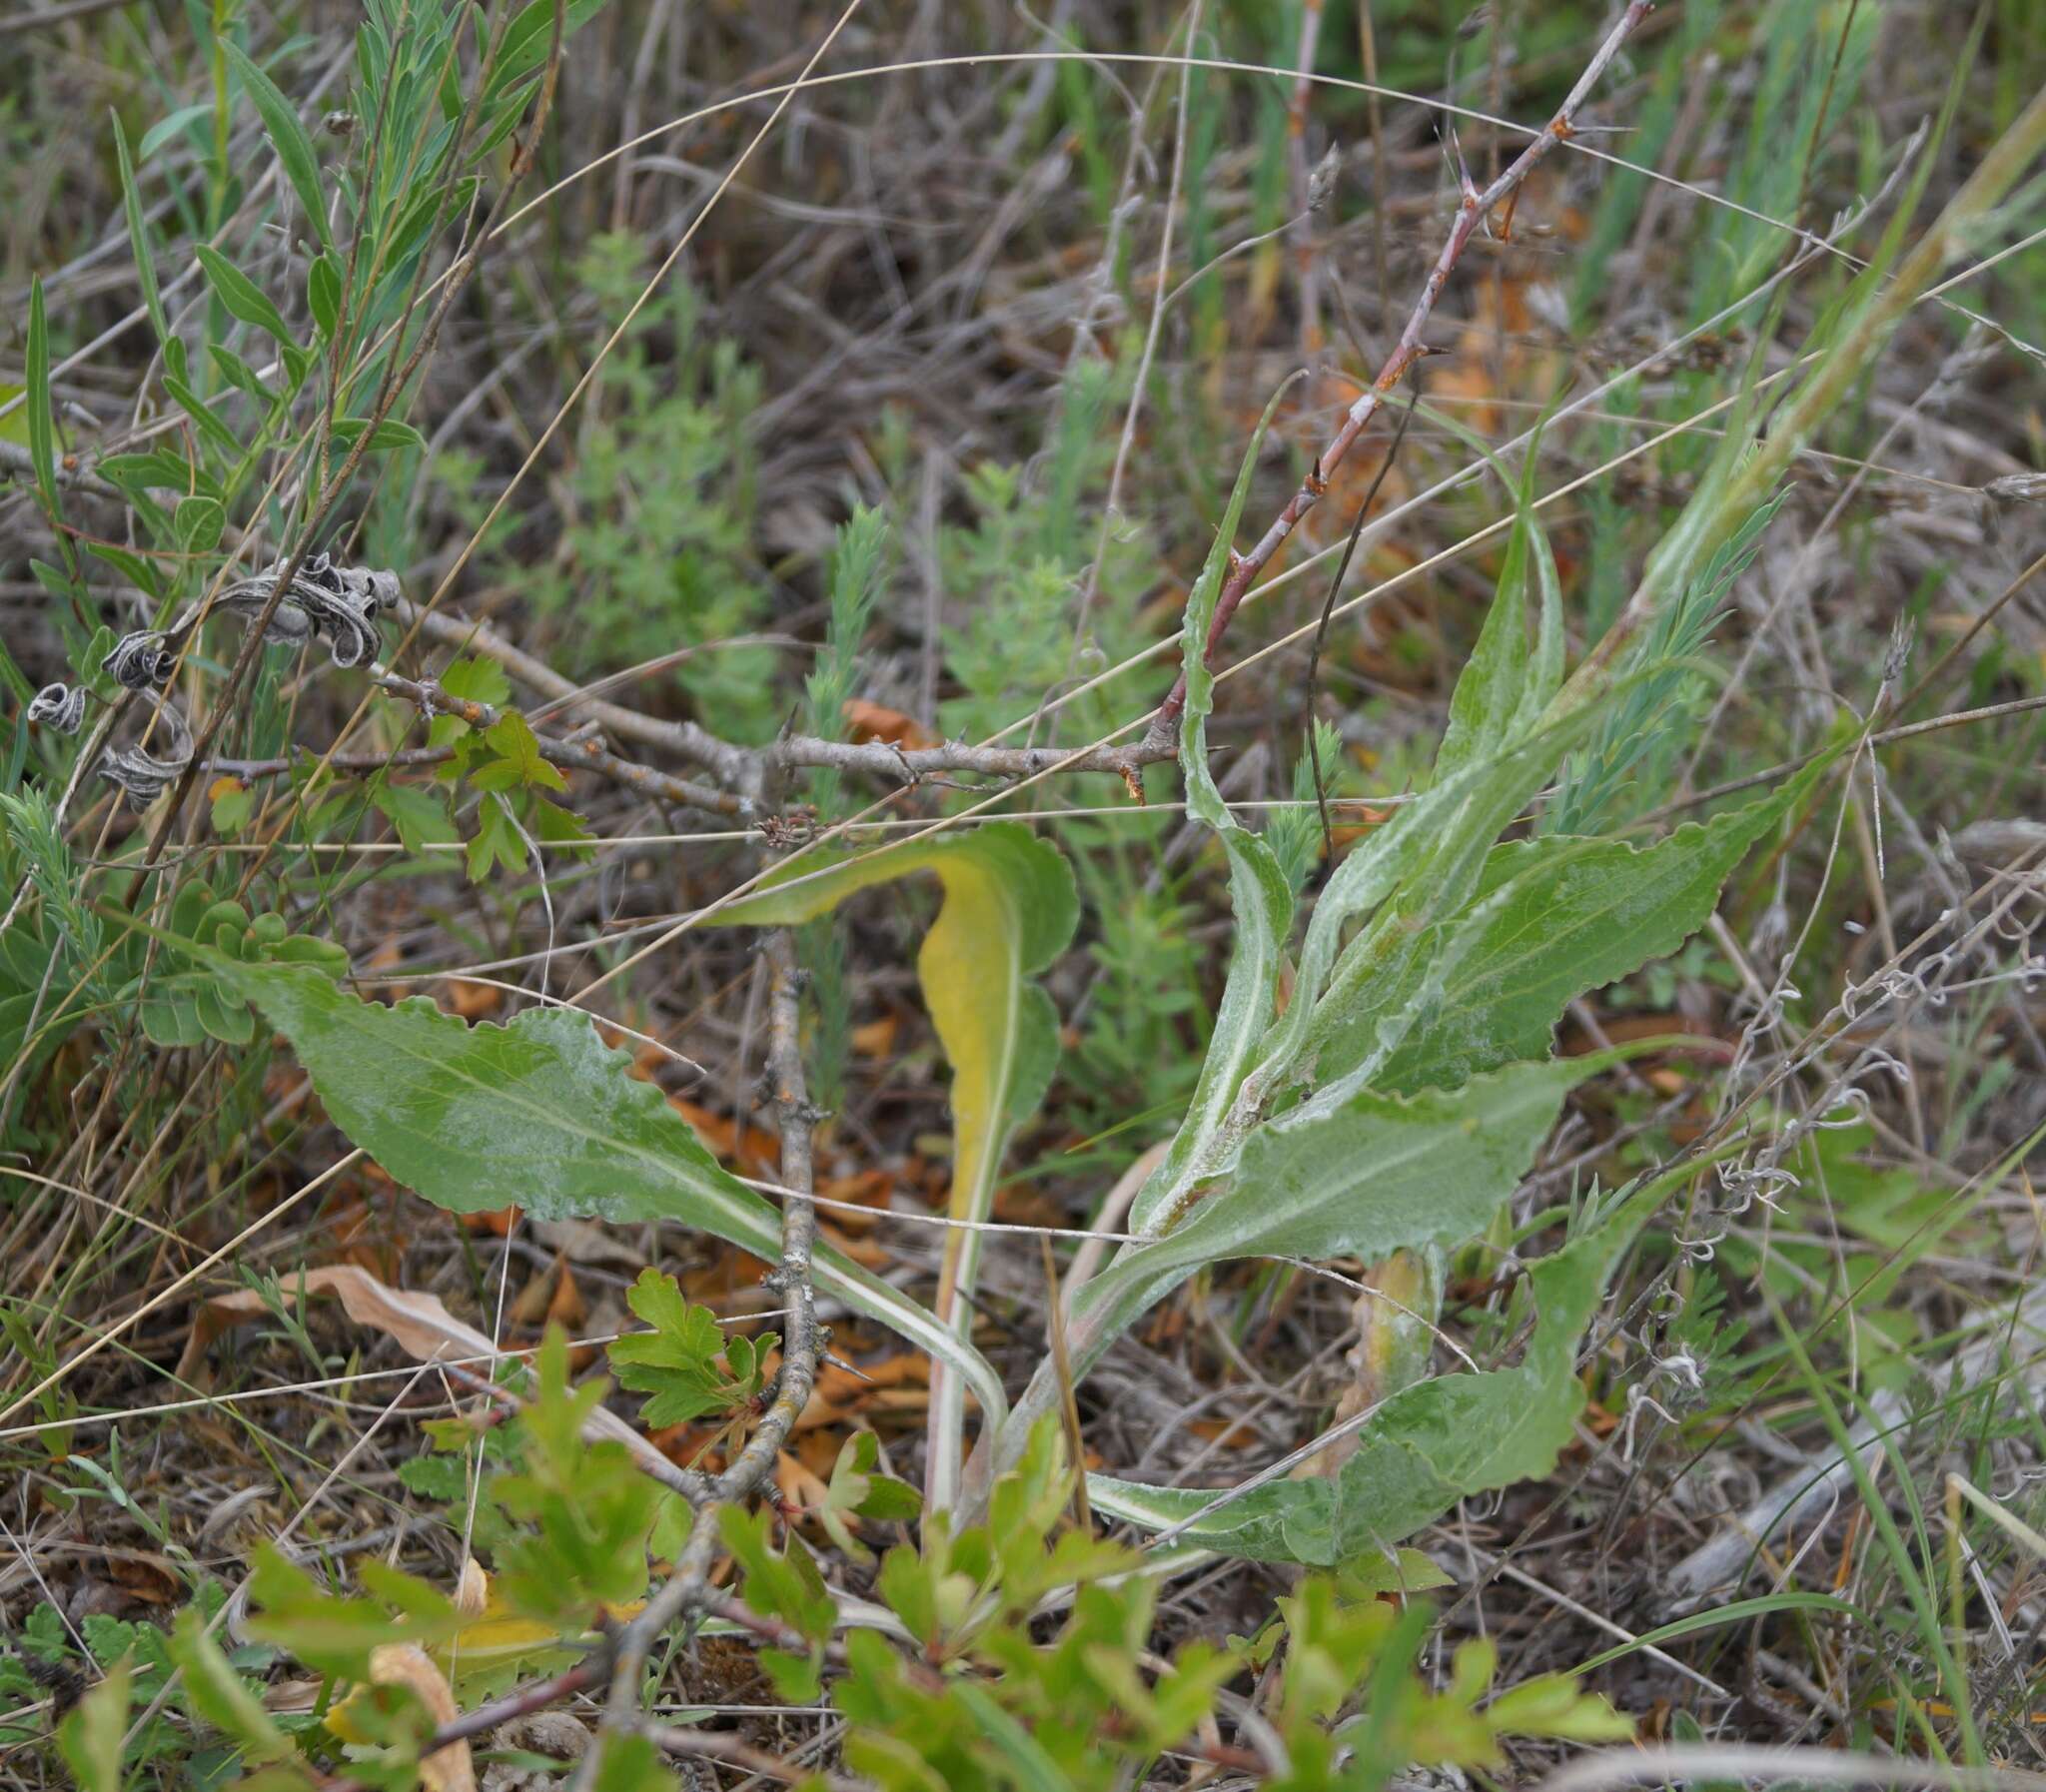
1474	208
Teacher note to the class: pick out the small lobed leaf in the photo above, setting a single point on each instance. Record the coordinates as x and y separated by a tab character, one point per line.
680	1360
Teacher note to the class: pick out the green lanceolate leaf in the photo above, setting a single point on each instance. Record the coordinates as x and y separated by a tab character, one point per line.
1557	917
1378	1174
544	1114
241	295
42	442
1260	899
1505	683
1010	907
287	136
1424	1448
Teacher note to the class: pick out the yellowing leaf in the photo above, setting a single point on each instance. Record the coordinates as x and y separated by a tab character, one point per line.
447	1769
1010	907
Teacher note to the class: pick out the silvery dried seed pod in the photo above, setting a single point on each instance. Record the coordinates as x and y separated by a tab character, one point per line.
139	660
143	775
60	706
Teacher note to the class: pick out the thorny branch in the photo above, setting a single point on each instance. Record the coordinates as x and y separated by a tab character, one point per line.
1472	208
688	1588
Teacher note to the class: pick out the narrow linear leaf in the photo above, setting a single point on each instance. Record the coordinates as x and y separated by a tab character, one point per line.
212	425
42	445
138	237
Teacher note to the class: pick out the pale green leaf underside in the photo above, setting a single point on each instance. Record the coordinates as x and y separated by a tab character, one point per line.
542	1114
1423	1450
1260	899
1380	1173
1570	916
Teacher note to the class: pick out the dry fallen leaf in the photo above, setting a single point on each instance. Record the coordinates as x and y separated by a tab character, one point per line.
753	1148
447	1769
418	1323
876	721
471	1001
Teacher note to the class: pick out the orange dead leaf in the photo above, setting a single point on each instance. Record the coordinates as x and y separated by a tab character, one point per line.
875	721
869	1187
568	1308
877	1037
471	1000
419	1323
753	1148
799	1486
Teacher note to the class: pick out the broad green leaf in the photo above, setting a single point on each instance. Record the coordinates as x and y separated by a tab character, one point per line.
287	136
682	1362
241	295
1424	1448
542	1114
632	1764
1380	1173
419	816
497	840
388	435
322	293
161	469
1260	899
1406	1571
520	762
200	521
477	681
1009	908
1557	917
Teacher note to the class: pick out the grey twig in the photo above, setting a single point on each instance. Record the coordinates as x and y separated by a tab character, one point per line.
688	1588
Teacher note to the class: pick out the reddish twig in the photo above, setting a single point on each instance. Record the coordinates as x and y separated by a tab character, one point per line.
1474	208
